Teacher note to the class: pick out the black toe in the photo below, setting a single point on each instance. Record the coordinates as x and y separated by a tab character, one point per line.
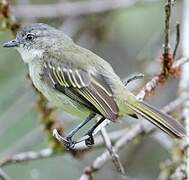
89	141
69	144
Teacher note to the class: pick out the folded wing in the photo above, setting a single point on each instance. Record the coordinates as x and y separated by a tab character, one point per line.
89	89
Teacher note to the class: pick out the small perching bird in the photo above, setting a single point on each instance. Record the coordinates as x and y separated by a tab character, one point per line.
80	82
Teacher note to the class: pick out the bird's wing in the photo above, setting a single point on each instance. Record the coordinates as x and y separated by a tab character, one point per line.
89	89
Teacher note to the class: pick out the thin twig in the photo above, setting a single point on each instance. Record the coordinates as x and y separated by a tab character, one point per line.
168	8
184	83
107	141
177	39
176	103
159	79
180	62
114	136
104	157
138	129
114	155
47	152
135	131
3	175
27	156
167	58
148	88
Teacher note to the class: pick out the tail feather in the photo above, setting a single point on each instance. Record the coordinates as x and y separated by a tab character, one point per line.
160	119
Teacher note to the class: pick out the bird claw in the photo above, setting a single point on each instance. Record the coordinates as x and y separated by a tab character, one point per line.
89	141
68	142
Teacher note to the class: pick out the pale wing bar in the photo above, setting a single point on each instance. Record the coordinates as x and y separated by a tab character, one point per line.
91	90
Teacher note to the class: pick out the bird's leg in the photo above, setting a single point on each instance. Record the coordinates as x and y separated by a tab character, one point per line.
69	143
90	140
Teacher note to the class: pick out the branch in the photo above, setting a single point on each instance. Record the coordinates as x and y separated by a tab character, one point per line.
48	152
104	157
135	131
168	8
181	160
177	64
168	65
114	136
168	68
177	39
160	79
184	82
3	175
26	156
113	154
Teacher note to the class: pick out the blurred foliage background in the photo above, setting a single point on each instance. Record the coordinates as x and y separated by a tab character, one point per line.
131	40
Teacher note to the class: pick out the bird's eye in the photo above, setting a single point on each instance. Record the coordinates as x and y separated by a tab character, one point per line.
30	36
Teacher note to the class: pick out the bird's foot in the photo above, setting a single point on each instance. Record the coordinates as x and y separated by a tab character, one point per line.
90	140
67	141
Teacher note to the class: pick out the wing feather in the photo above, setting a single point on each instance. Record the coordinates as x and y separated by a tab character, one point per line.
92	90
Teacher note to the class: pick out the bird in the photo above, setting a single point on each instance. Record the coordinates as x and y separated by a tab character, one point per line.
81	83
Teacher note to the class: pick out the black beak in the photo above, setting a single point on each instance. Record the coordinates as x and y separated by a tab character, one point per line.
12	43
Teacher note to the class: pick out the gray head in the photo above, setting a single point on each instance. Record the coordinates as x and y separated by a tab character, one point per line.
32	40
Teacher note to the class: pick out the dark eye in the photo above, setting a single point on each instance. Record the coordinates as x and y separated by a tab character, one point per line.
30	36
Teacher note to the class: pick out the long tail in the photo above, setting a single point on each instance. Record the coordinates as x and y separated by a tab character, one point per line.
160	119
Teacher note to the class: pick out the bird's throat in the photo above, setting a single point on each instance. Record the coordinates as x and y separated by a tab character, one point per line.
30	55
